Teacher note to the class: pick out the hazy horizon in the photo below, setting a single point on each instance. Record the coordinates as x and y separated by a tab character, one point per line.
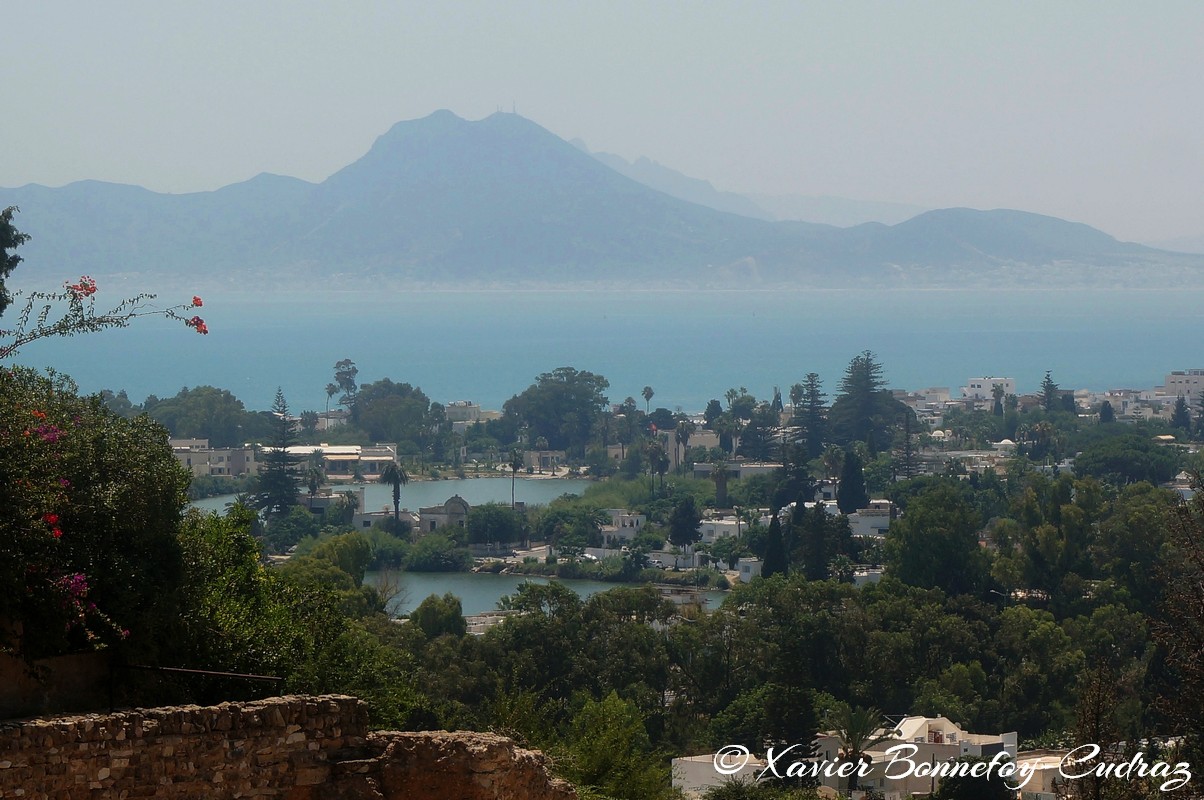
1081	111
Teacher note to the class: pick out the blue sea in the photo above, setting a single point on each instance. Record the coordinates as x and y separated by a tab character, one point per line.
690	346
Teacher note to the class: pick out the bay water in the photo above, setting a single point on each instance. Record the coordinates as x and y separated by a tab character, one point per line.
690	346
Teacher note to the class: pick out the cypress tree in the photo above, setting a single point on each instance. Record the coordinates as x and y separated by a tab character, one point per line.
775	551
851	494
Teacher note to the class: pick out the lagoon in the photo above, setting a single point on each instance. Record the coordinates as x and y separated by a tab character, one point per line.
480	591
416	494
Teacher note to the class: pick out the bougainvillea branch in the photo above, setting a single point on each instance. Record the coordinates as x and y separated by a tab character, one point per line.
39	318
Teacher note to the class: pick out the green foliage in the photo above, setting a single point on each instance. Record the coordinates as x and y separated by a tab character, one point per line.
10	239
771	715
286	531
350	552
395	412
609	752
435	552
89	508
1128	458
206	412
1050	394
436	616
236	615
818	538
766	790
684	521
279	473
395	476
935	544
570	524
851	494
562	406
776	562
495	522
865	411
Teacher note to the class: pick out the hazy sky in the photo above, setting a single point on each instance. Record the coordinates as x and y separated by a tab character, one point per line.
1090	111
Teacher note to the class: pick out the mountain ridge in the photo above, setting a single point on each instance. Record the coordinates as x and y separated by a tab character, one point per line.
443	201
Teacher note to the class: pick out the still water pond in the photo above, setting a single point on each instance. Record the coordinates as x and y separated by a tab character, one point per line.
417	494
480	591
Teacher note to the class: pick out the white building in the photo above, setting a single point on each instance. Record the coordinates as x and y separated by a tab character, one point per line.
936	739
873	520
982	388
714	529
1186	382
623	526
749	568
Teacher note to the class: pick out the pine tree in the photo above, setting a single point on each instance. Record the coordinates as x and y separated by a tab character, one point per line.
809	413
1106	413
1050	396
10	239
1181	416
280	472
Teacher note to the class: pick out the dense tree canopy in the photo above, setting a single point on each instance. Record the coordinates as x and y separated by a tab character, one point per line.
1128	458
89	507
562	406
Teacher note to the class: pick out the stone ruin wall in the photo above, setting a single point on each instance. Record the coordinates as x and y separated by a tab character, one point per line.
296	748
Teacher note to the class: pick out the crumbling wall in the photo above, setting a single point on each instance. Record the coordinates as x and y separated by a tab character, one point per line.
296	748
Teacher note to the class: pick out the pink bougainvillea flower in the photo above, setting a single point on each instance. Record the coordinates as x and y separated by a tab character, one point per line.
196	301
49	433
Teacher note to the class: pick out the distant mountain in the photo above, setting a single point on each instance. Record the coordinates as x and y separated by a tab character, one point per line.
825	210
683	187
842	212
503	202
1182	244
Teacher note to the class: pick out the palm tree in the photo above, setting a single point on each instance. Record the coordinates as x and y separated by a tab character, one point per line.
395	475
719	475
541	444
858	729
331	390
833	459
685	429
516	463
313	479
648	393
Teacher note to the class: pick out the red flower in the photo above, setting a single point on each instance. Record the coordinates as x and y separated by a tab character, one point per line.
85	288
57	533
198	324
50	519
196	301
